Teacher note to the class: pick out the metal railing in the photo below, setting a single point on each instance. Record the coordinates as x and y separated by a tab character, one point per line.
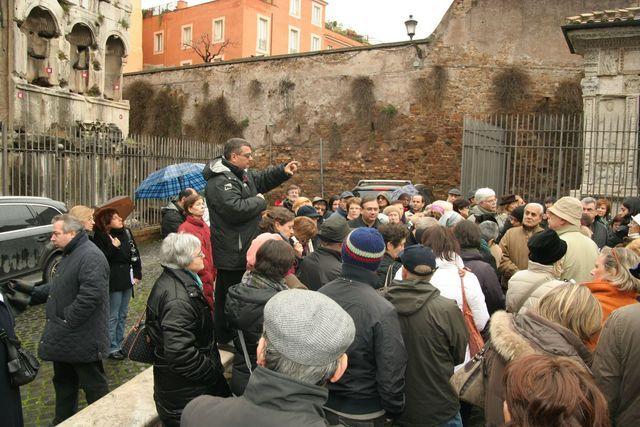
551	155
88	165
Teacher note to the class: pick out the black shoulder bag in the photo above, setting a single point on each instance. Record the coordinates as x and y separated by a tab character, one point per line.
23	366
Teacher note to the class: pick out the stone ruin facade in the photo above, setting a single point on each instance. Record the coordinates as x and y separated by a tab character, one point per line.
65	59
609	41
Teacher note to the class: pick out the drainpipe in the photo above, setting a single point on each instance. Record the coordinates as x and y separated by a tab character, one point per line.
10	90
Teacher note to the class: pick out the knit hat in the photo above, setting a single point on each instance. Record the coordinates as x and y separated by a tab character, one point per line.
334	229
416	258
364	248
307	327
518	213
569	209
546	247
260	240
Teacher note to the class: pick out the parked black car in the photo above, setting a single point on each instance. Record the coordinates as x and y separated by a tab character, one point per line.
25	230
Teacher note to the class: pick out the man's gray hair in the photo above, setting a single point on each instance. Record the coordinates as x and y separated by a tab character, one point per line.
177	250
489	230
588	201
69	223
316	375
234	145
483	194
535	205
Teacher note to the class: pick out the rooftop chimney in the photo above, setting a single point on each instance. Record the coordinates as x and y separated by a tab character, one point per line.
182	4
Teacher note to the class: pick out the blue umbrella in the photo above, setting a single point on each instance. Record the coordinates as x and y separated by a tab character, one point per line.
169	181
409	189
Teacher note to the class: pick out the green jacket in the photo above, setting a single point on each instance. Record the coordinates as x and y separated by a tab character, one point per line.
436	339
580	257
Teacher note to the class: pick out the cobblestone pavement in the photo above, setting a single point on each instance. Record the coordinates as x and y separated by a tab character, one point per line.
38	397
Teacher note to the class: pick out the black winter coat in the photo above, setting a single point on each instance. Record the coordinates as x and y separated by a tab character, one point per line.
319	268
10	404
271	400
234	208
600	234
121	259
489	282
374	379
187	362
172	216
244	308
77	328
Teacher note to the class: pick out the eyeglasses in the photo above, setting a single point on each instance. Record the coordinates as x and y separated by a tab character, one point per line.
247	155
200	254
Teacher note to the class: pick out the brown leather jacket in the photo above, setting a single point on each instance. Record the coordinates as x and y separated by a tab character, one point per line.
514	336
615	365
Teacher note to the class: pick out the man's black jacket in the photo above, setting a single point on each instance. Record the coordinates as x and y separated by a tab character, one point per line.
374	379
319	268
77	329
234	208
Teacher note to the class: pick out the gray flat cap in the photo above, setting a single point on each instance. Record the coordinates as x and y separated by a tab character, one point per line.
307	327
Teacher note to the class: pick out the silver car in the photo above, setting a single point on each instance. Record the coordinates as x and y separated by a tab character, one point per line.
25	230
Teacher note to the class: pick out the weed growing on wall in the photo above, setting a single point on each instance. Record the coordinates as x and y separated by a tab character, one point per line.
138	93
213	122
511	88
431	90
362	98
255	88
164	114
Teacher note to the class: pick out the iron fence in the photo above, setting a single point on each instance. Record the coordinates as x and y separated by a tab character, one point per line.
89	165
551	155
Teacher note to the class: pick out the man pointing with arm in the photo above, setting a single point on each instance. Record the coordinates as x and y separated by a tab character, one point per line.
235	201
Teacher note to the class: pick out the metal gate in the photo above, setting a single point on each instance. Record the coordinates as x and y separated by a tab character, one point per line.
534	155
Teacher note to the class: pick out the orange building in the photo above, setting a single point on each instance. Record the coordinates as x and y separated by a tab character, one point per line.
175	34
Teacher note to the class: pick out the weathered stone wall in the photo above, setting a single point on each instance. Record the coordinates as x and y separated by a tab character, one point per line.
414	130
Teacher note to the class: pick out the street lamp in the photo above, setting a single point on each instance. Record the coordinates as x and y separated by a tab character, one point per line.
411	25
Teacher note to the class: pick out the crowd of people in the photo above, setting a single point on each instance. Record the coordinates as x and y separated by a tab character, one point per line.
359	311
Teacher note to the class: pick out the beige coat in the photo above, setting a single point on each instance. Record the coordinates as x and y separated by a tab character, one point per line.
538	293
580	257
524	282
515	253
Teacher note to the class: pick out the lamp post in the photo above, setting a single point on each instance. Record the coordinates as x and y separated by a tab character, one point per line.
411	25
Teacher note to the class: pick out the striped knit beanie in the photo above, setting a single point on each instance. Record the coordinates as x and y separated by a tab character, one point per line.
363	247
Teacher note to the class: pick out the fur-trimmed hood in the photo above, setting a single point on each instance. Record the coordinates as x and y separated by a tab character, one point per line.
514	336
505	339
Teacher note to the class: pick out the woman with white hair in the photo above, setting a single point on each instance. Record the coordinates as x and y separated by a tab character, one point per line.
179	323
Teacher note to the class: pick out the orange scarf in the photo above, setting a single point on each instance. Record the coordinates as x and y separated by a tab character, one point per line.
610	298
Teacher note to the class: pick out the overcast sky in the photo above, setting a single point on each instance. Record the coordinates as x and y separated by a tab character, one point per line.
381	20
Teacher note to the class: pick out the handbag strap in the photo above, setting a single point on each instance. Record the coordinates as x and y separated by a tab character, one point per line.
244	350
465	304
5	338
389	276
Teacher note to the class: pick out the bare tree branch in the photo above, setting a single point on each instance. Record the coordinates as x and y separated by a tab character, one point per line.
206	49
